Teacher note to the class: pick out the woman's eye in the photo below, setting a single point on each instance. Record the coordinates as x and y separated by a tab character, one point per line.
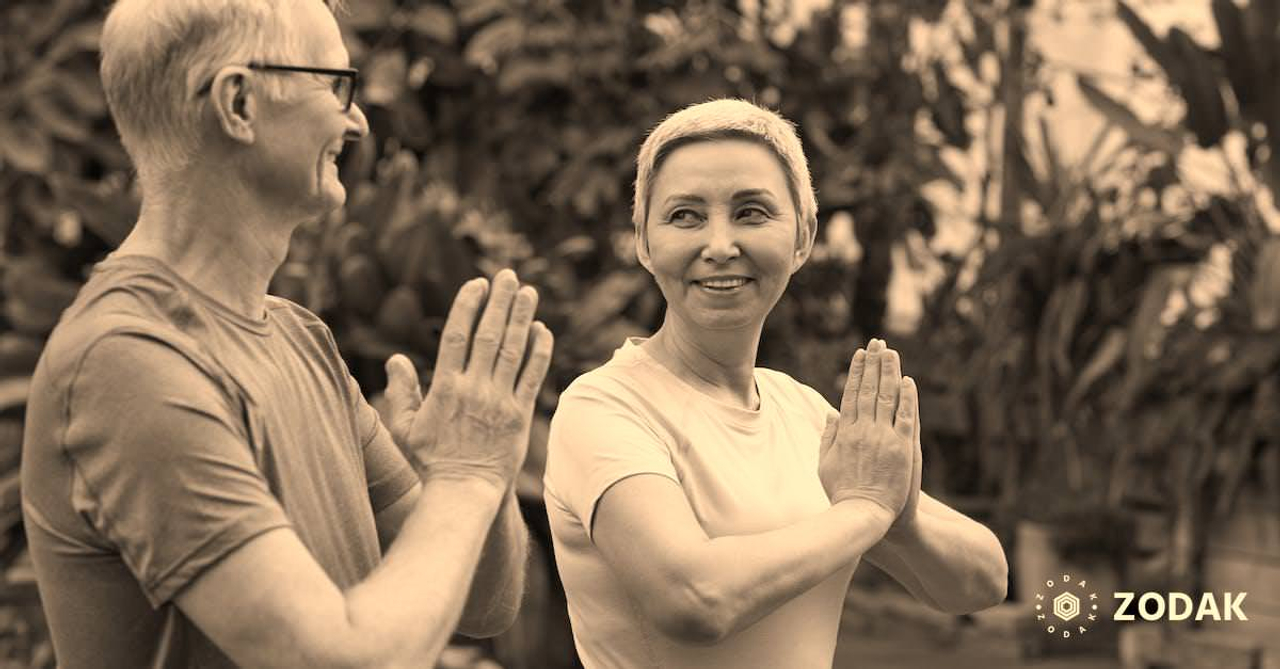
753	214
683	217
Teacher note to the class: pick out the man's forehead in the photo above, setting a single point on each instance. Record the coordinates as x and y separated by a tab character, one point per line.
319	34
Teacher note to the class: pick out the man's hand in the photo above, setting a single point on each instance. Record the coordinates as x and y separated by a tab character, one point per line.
867	452
475	419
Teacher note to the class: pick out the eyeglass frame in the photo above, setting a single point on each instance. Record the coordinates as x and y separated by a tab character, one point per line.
348	72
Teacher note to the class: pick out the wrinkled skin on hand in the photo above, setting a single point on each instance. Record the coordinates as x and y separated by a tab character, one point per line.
868	452
474	421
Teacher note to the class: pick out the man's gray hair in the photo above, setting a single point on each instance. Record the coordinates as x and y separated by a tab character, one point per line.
726	119
158	54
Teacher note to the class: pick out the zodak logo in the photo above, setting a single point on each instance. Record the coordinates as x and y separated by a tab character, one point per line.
1151	606
1066	606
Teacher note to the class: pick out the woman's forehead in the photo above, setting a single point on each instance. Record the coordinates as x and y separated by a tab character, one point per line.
727	162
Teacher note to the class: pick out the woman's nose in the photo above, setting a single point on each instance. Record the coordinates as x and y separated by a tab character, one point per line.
721	243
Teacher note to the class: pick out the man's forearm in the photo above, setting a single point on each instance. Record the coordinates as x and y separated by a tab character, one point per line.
498	586
946	560
414	599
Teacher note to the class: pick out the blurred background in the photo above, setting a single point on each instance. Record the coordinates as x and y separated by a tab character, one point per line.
1060	211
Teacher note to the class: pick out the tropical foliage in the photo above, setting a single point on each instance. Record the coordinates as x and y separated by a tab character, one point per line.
1108	336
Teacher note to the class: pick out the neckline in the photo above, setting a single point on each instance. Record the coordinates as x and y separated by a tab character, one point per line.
258	326
747	418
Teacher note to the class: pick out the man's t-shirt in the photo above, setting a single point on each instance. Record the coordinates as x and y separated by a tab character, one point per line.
163	432
743	472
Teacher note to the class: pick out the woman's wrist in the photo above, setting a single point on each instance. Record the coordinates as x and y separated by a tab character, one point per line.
873	516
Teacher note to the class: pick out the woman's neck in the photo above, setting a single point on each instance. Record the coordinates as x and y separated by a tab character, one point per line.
719	363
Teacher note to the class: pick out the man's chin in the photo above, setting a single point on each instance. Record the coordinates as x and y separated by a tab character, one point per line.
333	197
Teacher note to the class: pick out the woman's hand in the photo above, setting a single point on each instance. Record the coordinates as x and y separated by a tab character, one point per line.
867	453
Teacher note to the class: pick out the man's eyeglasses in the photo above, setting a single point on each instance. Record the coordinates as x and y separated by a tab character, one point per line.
344	79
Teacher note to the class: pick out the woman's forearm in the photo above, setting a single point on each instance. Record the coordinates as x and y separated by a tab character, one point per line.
733	581
946	560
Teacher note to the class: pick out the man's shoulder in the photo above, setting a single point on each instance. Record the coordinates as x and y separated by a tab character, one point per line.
142	309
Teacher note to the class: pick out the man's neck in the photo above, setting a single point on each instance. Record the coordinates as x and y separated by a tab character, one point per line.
721	363
215	238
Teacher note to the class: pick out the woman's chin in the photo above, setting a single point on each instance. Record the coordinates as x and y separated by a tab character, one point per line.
726	321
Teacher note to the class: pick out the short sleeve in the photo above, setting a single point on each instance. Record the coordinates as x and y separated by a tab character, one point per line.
162	461
597	439
387	471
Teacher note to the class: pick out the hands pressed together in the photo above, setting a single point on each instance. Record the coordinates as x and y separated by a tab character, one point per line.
474	421
872	450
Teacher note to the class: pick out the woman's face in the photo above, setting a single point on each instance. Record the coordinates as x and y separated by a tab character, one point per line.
722	236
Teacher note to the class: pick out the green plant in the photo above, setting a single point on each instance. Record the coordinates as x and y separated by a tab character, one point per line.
1117	350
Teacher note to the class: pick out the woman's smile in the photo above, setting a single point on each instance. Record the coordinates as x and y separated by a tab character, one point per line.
721	236
722	285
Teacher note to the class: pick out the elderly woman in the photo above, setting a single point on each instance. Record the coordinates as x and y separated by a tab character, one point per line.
709	513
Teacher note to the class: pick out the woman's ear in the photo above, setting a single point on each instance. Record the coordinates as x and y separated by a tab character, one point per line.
642	248
805	238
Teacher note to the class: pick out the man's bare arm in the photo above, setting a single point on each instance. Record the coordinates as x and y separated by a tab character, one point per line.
269	603
498	586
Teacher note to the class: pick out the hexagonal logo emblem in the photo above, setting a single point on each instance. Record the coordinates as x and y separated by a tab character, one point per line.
1066	606
1069	601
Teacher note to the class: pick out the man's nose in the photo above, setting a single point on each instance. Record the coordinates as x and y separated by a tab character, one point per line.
721	243
357	124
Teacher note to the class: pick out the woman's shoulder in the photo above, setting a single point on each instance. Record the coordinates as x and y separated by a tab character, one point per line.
790	392
628	373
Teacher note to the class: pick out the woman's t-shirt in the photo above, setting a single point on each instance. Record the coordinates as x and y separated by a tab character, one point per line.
742	471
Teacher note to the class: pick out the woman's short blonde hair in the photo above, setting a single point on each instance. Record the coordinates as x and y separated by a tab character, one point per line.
726	119
156	54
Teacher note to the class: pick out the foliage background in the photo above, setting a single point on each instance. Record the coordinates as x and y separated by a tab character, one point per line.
1101	324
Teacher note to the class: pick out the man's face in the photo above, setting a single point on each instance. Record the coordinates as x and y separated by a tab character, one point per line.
294	164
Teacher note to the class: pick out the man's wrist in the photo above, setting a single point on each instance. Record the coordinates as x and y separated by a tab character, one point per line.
466	481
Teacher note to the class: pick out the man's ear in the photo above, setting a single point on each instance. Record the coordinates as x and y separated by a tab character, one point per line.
235	103
805	239
642	248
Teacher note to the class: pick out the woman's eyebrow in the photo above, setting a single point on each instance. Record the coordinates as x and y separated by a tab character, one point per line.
684	197
753	192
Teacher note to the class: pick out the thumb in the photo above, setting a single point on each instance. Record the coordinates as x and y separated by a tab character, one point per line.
403	390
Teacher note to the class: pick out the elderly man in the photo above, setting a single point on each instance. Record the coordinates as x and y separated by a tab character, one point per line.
203	483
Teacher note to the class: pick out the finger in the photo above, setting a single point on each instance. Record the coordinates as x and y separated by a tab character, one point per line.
493	323
890	380
870	386
849	400
404	392
917	422
919	451
829	433
512	352
908	411
455	337
535	370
